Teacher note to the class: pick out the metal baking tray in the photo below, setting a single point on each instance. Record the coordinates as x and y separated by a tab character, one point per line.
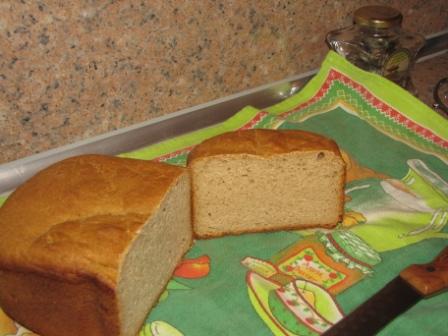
14	173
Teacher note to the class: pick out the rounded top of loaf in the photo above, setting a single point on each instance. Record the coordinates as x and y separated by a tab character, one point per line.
77	217
263	142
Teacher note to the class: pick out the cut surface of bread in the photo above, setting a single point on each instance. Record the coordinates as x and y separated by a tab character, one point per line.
264	180
91	243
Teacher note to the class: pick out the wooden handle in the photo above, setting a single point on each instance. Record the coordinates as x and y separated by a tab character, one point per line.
429	278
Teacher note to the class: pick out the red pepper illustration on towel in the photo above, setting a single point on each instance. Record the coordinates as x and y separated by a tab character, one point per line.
193	268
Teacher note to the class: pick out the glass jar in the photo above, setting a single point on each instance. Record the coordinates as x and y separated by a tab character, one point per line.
376	43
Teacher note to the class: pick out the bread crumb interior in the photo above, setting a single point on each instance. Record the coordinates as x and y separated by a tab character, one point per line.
247	193
153	256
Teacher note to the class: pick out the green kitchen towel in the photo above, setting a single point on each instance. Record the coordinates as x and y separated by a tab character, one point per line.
302	282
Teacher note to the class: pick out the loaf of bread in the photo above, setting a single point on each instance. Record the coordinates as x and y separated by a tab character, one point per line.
88	244
264	180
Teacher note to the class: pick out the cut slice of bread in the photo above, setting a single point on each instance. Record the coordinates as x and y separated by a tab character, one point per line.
89	244
265	180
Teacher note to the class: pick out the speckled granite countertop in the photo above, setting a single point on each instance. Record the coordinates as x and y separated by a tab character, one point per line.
71	70
426	75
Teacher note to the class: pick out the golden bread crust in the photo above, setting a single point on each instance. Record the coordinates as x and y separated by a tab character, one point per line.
269	144
51	306
100	201
68	228
262	142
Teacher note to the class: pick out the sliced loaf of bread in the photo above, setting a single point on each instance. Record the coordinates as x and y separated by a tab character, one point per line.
89	244
264	180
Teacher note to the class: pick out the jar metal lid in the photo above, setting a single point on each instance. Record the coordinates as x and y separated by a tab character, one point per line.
378	16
